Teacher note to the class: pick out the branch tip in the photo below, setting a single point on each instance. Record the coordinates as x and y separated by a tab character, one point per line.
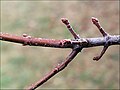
96	22
102	52
66	22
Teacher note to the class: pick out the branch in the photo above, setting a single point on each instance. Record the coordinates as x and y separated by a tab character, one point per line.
31	41
57	69
66	22
65	43
76	44
105	35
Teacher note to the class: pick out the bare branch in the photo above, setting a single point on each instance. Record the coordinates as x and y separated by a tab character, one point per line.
105	35
31	41
76	45
66	22
57	69
65	43
96	22
101	54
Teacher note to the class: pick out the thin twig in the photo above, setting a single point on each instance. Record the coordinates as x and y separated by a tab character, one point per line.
105	35
96	22
66	22
57	69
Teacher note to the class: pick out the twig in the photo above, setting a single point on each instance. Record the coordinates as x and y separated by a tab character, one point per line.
57	69
96	22
105	35
66	22
76	45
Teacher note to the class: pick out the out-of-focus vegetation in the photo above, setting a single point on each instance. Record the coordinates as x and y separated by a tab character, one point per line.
22	66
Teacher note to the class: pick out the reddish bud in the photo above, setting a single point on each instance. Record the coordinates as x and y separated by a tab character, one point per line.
96	22
65	21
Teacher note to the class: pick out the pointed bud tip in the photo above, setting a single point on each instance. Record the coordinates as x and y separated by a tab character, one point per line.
96	58
64	20
94	19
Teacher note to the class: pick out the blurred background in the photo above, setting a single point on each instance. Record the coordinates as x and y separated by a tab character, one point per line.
22	66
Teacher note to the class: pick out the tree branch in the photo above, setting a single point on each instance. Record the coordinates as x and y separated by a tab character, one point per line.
105	35
76	44
31	41
65	43
57	69
66	22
